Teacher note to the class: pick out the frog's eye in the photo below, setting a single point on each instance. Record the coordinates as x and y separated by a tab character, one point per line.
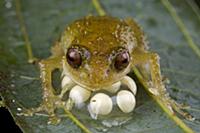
121	60
74	57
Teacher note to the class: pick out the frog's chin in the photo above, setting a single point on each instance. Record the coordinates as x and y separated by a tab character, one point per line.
94	87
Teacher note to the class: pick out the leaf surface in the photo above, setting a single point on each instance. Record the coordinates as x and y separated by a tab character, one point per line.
45	20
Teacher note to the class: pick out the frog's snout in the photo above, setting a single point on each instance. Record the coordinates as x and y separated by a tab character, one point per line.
99	74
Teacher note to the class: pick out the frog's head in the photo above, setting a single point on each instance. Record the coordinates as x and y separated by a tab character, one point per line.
97	51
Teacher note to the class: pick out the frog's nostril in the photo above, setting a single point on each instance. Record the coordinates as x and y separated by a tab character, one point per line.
84	75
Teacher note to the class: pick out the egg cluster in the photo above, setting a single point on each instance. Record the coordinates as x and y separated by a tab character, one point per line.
101	103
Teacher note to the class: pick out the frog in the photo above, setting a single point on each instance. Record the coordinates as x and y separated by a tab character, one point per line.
97	53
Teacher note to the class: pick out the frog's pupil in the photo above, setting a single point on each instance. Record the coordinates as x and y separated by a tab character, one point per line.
74	57
121	60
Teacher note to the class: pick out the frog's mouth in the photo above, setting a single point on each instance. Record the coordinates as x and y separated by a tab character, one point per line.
95	87
96	79
89	84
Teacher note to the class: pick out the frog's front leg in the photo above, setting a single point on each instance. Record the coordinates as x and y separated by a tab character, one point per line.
50	100
156	87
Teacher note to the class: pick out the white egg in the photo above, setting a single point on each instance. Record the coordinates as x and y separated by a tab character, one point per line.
100	104
113	88
130	83
66	81
66	85
79	95
126	101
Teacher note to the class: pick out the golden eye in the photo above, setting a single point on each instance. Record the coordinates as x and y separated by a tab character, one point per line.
74	57
121	60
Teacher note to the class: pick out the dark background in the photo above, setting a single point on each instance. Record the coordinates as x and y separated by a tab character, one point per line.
198	2
7	123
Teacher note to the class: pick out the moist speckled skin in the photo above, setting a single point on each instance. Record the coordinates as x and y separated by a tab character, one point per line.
102	37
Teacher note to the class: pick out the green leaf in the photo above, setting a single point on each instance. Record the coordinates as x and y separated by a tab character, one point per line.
45	20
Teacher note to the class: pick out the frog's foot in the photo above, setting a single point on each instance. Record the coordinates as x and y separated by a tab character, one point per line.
101	104
49	105
51	102
170	103
179	108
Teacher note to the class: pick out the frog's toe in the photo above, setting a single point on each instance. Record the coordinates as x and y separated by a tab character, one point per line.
54	120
